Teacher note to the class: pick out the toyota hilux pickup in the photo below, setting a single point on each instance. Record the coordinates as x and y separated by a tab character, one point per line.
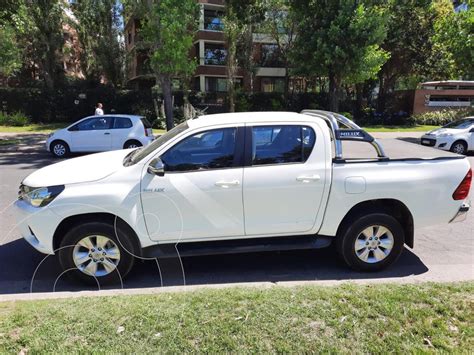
238	183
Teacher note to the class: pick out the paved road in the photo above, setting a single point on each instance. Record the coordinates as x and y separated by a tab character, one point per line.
442	253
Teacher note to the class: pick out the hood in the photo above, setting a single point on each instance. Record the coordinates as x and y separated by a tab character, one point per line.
83	169
438	131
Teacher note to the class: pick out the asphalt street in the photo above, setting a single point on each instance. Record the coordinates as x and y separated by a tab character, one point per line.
441	253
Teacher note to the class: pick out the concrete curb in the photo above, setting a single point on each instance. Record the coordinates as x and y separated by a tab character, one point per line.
444	274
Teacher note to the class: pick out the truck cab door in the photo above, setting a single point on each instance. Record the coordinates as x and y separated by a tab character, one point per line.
284	178
200	194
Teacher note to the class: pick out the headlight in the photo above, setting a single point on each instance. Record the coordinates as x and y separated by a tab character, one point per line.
39	196
445	135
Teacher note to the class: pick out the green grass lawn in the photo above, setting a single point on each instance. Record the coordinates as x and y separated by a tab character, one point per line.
349	318
47	128
420	128
34	128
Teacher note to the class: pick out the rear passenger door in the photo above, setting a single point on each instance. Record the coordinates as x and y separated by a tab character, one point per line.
120	131
284	178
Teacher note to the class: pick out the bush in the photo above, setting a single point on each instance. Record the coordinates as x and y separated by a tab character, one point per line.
17	119
440	118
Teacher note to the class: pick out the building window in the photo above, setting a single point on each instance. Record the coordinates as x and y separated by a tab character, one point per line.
214	54
270	56
216	84
271	84
213	20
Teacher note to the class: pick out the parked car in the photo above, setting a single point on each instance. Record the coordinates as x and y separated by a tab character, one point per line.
101	133
241	182
457	136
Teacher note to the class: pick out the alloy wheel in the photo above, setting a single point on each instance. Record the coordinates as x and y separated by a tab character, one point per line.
96	255
59	149
374	244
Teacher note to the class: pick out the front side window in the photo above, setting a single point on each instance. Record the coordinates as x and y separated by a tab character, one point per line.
122	122
212	149
96	123
281	144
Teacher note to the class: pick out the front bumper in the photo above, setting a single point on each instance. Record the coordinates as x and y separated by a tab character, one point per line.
36	225
436	142
462	213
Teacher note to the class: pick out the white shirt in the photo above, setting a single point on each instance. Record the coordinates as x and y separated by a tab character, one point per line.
99	112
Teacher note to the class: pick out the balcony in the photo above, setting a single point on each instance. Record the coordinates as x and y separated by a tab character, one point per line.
214	54
213	20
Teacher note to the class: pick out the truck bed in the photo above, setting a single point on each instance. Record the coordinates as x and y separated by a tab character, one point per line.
395	149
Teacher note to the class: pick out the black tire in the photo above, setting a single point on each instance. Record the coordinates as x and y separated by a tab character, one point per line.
352	231
459	147
59	149
78	233
132	144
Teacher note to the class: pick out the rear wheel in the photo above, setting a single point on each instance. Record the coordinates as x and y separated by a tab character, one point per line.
59	149
459	147
92	253
371	242
132	144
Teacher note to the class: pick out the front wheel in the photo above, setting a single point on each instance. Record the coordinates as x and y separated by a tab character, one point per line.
459	147
92	253
371	242
59	149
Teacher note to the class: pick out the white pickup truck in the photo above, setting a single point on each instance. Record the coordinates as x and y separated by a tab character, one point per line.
233	183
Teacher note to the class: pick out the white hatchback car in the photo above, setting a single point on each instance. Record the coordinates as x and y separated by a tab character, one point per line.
101	133
457	136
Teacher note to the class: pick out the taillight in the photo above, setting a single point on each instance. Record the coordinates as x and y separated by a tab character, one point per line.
463	189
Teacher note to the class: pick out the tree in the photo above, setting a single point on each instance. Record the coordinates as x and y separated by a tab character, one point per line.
47	38
167	31
280	23
10	54
455	32
98	25
240	20
334	39
410	33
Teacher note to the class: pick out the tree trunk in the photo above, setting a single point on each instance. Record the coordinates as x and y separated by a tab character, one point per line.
381	95
333	93
168	100
359	97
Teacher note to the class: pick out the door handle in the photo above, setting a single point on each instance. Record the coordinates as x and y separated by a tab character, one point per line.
308	178
107	133
227	184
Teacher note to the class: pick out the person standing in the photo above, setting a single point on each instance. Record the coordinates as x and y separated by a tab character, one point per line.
98	109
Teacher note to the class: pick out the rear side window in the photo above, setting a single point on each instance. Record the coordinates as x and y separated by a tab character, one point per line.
122	122
281	144
212	149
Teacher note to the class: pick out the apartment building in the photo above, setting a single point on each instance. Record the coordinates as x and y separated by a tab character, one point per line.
439	95
210	51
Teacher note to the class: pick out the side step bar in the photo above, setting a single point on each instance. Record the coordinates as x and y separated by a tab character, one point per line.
237	246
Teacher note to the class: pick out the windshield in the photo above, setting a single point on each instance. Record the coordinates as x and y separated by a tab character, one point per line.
460	124
140	153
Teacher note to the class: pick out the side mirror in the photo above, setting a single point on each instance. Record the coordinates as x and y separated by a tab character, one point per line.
472	130
156	167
